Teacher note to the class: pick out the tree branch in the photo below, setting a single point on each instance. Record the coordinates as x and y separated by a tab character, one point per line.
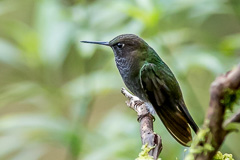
224	92
146	124
234	119
213	133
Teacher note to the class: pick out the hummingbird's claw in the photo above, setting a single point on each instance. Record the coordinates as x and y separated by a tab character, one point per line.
140	117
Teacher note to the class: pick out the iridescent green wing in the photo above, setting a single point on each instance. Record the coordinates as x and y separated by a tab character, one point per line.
160	94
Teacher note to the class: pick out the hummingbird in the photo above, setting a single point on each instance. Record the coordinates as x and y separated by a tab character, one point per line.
150	79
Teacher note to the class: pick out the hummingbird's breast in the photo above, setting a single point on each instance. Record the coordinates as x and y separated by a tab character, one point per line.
129	70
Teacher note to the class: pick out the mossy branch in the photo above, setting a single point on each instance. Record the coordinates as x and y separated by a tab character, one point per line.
224	93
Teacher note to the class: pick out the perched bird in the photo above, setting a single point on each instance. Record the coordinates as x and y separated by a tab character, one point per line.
149	78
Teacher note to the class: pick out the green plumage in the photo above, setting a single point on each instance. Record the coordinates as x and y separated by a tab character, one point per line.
150	79
167	102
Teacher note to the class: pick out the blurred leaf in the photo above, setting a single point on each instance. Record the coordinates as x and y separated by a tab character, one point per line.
92	84
31	152
17	92
8	54
10	143
6	7
55	31
31	122
190	58
230	45
123	135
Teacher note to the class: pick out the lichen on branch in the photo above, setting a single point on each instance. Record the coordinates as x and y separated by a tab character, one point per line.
224	93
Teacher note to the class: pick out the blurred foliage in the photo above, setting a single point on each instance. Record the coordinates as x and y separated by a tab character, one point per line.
60	99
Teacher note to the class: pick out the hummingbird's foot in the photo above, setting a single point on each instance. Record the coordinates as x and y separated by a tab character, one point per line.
142	108
133	101
153	118
140	117
138	103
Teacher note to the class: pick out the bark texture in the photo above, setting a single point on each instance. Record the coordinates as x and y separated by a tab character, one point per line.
146	124
224	92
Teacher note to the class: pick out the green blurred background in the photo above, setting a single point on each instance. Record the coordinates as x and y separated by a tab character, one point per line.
60	99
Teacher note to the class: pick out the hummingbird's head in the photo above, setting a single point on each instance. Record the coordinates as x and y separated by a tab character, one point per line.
125	45
128	45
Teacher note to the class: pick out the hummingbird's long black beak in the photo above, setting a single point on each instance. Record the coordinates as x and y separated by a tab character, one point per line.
94	42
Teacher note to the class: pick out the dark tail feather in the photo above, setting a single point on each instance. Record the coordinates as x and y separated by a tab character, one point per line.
176	124
188	116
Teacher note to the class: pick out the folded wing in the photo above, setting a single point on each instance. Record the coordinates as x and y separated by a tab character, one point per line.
164	94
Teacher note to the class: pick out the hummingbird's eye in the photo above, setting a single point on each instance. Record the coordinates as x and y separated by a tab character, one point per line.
120	45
